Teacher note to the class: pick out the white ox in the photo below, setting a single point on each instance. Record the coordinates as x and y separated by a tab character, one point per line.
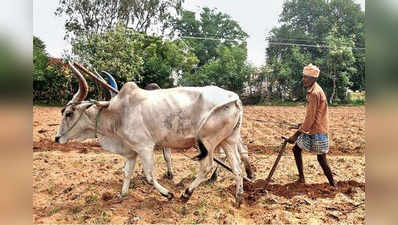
135	120
242	149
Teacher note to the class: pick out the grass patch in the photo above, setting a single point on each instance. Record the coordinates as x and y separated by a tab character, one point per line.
48	104
103	218
75	209
91	198
53	211
184	210
281	103
51	189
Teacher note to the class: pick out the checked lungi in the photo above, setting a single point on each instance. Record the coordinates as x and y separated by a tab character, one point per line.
316	143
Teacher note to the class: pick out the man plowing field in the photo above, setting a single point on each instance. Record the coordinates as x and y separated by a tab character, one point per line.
312	135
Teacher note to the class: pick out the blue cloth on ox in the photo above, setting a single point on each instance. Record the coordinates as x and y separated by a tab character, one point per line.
316	143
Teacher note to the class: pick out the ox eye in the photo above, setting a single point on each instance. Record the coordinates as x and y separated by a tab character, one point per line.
69	114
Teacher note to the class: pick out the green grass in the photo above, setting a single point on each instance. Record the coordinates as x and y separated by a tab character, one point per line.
91	198
281	103
48	104
53	211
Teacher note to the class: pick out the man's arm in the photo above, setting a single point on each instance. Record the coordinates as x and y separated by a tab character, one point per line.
309	118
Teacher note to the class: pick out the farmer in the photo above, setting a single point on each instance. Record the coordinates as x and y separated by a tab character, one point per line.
312	135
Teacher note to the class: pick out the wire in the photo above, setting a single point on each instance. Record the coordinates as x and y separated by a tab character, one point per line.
209	38
304	45
270	42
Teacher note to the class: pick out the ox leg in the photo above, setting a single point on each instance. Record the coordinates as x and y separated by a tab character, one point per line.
128	170
214	176
167	158
148	164
206	165
233	156
242	148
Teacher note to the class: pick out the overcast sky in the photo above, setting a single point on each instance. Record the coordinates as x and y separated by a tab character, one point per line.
256	17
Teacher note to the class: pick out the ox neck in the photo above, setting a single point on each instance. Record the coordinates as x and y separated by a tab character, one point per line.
97	121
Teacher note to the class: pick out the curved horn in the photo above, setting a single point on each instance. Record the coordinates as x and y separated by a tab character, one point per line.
99	76
83	87
112	80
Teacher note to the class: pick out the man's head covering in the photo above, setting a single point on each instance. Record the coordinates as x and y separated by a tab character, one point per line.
311	71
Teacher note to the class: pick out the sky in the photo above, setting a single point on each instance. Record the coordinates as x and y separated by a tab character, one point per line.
256	17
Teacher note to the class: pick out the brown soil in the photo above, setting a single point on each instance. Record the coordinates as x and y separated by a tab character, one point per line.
80	183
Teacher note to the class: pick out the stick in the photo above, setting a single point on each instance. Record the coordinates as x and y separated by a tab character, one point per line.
283	147
228	168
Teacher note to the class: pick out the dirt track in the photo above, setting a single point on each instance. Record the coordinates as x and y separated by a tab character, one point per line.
79	182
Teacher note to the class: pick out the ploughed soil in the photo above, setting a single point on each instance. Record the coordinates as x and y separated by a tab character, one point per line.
79	183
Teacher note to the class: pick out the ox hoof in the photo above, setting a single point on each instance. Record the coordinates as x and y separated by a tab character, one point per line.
186	195
169	196
169	176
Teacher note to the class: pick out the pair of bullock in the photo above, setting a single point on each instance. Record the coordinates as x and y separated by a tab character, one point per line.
135	120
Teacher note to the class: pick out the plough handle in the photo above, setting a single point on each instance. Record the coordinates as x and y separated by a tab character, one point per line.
283	147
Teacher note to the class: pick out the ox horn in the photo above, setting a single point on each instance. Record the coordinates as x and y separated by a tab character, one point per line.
83	87
111	82
96	78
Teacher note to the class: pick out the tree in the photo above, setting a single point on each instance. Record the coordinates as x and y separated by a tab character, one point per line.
51	79
132	56
228	70
340	63
84	17
309	24
212	30
40	59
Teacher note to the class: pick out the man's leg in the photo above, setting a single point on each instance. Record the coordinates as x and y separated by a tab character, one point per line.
299	163
326	169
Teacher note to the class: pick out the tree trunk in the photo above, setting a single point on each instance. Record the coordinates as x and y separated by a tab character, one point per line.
334	90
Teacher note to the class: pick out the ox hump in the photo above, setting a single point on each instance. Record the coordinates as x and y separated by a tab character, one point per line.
128	89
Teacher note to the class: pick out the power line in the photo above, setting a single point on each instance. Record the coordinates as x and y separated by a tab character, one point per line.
270	42
210	38
303	45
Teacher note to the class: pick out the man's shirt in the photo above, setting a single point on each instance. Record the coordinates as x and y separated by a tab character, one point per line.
316	116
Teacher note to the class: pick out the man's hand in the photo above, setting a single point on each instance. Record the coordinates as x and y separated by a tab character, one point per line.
292	139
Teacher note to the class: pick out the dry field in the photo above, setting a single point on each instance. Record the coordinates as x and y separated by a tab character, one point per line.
80	183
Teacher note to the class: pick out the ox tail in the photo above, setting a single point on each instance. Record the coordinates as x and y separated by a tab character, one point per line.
203	151
204	120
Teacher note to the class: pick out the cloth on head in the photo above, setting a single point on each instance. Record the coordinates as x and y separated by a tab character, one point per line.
311	71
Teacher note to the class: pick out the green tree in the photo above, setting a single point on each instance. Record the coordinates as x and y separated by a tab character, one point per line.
340	63
132	56
51	80
84	17
309	25
212	30
40	59
228	70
